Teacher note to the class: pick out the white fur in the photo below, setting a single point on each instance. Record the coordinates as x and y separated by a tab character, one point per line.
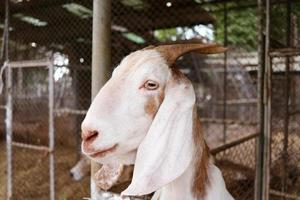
167	150
81	168
117	112
180	188
162	148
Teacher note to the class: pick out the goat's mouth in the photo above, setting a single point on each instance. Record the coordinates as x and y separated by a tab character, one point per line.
103	152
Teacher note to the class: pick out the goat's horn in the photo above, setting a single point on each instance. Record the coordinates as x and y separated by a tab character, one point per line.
172	52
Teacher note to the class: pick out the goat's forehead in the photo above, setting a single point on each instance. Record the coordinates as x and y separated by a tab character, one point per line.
142	58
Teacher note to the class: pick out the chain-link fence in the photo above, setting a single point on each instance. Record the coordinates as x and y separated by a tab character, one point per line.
284	164
226	86
60	31
285	127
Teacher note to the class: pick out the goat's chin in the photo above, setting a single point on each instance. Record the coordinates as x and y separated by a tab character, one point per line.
125	158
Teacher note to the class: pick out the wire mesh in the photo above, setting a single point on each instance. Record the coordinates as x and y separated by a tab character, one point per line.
225	85
238	167
285	160
285	129
39	30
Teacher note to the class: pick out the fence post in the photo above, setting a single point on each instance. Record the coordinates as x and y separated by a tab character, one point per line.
9	131
225	74
9	101
101	62
264	104
51	130
286	99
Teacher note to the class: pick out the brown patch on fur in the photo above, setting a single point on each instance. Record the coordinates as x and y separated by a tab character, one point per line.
201	165
178	76
161	96
151	106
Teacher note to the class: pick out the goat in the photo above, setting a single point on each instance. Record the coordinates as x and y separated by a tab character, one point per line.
81	168
146	115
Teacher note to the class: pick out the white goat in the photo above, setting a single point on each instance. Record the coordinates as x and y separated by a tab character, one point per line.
81	168
146	115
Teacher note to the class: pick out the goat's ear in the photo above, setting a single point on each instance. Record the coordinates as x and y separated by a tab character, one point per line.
167	150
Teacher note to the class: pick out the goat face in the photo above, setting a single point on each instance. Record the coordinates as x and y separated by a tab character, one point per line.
144	116
123	110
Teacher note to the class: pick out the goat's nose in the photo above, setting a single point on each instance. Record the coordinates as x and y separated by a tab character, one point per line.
89	135
71	174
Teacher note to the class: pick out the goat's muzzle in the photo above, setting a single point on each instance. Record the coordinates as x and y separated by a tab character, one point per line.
89	136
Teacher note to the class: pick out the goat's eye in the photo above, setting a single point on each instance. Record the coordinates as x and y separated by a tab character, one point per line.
151	85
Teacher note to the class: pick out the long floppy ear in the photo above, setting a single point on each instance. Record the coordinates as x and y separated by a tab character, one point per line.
168	148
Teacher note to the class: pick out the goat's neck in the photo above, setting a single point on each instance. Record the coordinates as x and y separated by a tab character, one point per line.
202	180
191	185
182	187
179	189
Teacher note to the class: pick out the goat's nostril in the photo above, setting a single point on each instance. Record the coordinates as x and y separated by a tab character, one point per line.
90	135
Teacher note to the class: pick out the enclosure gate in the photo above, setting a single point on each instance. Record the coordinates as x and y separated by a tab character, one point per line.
284	125
48	64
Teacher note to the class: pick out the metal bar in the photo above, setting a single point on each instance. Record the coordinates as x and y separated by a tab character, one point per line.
9	136
101	55
239	101
51	131
227	121
267	128
225	75
30	63
9	103
5	39
101	62
263	151
230	70
233	143
286	102
282	194
70	111
9	132
282	52
31	146
294	31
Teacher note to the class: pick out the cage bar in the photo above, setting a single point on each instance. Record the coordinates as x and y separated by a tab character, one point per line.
51	130
101	63
31	146
46	63
9	133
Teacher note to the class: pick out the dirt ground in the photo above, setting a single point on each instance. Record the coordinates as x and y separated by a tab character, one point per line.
31	175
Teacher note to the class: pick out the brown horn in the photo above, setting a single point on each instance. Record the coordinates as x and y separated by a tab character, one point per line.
172	52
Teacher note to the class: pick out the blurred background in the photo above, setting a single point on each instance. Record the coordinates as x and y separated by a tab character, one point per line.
57	35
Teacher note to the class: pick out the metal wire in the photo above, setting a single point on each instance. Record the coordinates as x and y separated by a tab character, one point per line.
227	97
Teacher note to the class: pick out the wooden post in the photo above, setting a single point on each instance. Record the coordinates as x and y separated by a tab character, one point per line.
286	99
101	62
264	104
225	74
